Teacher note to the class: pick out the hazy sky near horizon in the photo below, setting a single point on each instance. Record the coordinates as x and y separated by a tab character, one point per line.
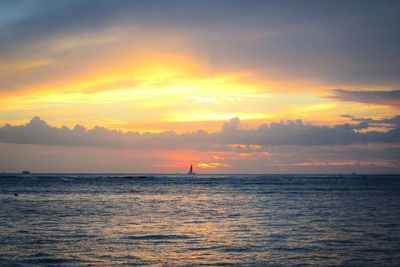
230	86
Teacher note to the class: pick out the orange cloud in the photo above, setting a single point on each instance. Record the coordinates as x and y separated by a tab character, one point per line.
211	165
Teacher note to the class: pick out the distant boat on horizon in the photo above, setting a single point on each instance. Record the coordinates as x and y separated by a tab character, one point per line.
191	170
25	174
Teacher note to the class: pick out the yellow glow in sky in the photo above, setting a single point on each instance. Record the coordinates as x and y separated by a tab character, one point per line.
151	89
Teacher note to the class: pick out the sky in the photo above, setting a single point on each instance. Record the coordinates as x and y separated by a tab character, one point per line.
228	86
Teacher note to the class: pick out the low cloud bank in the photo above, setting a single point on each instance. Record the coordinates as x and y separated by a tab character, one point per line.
37	131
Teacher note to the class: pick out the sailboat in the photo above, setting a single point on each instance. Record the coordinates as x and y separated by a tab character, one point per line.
191	170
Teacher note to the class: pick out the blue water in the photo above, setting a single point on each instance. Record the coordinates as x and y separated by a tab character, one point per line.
242	220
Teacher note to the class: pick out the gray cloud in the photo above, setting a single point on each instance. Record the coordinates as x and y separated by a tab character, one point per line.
393	122
391	98
37	131
339	41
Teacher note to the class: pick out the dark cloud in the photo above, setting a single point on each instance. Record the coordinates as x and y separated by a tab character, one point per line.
393	122
339	41
37	131
391	98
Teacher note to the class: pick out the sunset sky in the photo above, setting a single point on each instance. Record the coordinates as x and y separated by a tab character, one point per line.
230	86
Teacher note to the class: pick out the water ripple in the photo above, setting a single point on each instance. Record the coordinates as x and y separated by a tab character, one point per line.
253	220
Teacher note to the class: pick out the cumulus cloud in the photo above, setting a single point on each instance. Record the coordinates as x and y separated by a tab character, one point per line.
391	98
37	131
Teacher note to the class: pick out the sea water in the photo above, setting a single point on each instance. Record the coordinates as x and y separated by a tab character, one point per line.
214	220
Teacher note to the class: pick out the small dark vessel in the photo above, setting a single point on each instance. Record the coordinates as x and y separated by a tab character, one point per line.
191	170
354	175
25	174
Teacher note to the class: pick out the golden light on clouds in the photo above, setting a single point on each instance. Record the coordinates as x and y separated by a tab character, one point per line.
142	85
145	86
209	115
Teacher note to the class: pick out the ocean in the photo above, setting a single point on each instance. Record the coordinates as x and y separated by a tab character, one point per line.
207	220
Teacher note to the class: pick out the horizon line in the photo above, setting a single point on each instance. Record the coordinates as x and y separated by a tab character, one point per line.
149	173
